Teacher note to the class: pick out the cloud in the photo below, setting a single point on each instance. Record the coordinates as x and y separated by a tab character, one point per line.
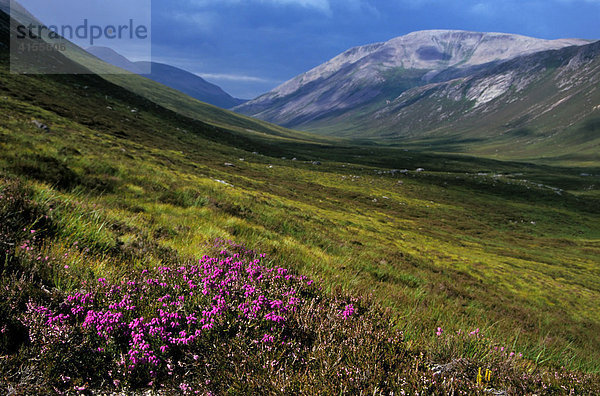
486	5
236	77
483	9
320	5
493	8
202	21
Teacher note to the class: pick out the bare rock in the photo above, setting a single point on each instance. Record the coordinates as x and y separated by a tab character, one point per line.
41	125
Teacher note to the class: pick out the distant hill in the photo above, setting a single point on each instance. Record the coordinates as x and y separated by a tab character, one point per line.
112	57
170	76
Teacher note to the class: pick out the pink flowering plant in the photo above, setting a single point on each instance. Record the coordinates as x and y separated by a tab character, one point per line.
149	325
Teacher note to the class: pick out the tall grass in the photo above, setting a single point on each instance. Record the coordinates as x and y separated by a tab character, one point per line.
228	322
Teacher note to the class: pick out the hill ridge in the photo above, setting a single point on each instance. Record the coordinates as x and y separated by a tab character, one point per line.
171	76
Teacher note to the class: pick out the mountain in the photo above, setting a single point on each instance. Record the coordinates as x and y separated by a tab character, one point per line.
370	91
112	57
540	105
171	76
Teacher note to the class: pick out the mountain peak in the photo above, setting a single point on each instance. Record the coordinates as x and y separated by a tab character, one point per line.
382	71
432	49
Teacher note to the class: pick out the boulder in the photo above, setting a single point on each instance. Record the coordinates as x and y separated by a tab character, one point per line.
41	126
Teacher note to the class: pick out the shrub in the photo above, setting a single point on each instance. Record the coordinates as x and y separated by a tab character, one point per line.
24	224
225	321
22	219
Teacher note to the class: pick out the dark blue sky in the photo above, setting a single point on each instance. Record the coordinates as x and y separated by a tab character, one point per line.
250	46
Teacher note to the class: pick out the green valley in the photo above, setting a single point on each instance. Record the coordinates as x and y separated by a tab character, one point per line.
131	175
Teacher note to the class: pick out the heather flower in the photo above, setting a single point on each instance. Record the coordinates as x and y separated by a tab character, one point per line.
152	326
267	338
348	311
184	387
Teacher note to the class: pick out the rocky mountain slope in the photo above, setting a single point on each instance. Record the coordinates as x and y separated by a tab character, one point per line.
545	92
545	104
171	76
390	89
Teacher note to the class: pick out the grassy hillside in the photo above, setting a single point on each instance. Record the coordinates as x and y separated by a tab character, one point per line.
80	61
469	264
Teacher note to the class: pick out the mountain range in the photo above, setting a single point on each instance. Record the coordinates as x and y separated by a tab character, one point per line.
442	85
171	76
492	94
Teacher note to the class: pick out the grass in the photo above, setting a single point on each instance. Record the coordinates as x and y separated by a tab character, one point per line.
226	323
510	248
